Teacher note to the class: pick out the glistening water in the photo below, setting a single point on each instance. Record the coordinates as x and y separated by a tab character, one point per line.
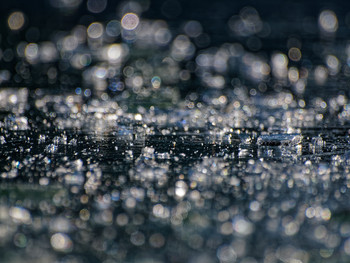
174	131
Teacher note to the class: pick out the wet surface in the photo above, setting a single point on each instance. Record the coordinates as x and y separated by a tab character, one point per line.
84	184
133	137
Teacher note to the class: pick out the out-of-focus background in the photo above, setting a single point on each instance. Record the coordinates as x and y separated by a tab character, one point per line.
48	44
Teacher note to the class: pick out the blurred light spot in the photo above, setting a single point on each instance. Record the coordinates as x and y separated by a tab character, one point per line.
328	21
242	226
21	48
20	240
185	75
137	81
31	52
157	240
85	60
161	211
79	32
8	55
138	117
60	224
291	229
162	36
48	52
320	232
280	60
70	43
156	81
279	65
114	52
61	242
130	202
84	214
78	91
180	188
13	99
44	181
193	28
204	60
326	213
321	75
326	253
247	23
95	30
96	6
87	93
215	81
20	215
137	238
294	54
5	75
100	72
130	21
226	228
333	64
259	70
122	219
113	28
182	48
255	206
81	60
293	74
16	20
222	99
226	254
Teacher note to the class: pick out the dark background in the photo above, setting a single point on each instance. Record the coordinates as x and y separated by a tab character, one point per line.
285	17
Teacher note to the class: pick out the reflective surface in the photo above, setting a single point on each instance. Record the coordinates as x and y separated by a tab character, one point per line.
138	132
